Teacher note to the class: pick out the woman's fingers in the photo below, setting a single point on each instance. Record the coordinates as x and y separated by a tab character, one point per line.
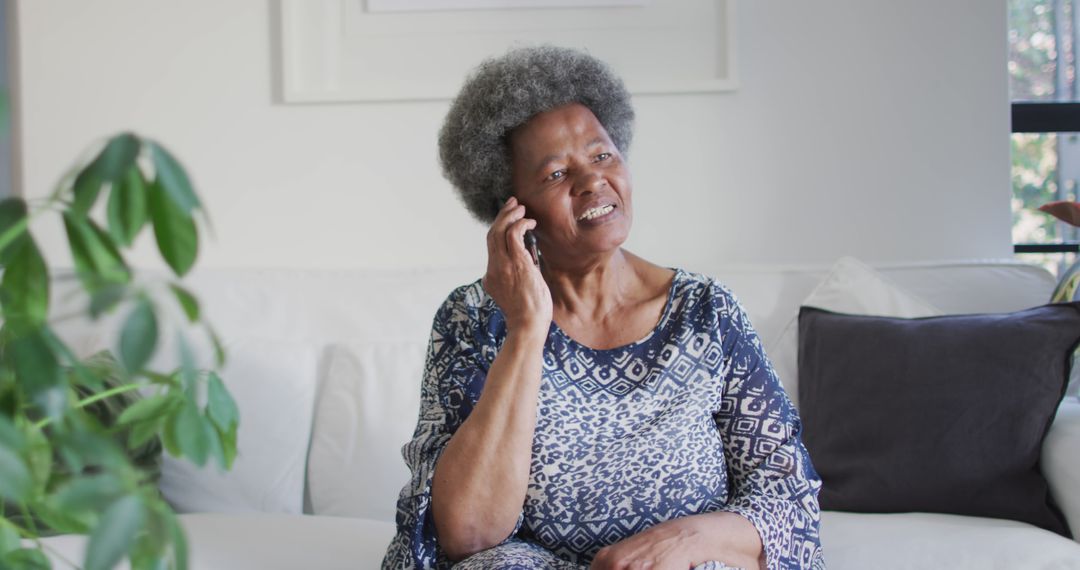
515	238
512	279
499	217
508	215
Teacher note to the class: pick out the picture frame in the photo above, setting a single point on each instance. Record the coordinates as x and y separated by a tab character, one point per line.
336	51
441	5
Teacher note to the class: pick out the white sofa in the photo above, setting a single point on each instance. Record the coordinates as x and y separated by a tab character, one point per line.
326	367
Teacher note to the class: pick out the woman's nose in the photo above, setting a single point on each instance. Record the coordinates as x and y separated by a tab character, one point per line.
589	181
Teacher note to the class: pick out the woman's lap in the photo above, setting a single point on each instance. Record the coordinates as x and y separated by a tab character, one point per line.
517	554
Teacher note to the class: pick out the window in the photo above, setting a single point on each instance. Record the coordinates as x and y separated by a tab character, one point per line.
1045	93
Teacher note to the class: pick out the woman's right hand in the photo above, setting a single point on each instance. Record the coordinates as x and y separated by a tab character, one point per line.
512	280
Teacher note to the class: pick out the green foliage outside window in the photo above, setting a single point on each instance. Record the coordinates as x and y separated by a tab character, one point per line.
1033	49
1040	42
1034	182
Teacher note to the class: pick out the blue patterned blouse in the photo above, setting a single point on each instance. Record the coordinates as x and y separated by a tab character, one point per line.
689	419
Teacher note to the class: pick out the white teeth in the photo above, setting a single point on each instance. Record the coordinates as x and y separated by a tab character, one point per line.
596	212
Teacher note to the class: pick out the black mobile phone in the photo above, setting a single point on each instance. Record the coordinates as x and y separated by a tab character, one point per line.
530	244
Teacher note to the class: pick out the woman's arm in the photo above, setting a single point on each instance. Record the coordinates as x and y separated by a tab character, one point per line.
772	480
482	475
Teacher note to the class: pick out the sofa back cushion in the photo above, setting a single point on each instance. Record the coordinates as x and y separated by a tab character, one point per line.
380	319
939	414
369	396
367	409
772	294
850	287
273	383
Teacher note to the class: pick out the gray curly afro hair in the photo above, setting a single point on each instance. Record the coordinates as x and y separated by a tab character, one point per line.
504	93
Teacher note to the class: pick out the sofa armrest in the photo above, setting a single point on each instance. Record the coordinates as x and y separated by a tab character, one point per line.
1061	461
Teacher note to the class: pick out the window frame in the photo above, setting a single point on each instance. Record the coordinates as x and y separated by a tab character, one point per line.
1046	117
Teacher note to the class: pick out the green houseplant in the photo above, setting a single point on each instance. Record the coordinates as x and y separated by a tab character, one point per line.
75	434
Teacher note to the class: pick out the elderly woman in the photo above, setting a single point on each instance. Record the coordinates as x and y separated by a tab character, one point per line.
591	408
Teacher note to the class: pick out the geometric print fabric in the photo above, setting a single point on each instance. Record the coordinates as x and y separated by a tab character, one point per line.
688	420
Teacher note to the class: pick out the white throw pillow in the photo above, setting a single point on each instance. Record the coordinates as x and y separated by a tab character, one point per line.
367	410
274	384
850	287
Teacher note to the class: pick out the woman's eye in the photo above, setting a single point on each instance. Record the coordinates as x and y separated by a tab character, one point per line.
603	156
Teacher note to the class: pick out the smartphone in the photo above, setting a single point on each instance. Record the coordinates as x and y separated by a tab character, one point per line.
530	244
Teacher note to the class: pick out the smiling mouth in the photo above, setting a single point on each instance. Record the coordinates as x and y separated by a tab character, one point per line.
596	212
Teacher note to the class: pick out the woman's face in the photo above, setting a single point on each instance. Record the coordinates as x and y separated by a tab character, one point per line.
572	180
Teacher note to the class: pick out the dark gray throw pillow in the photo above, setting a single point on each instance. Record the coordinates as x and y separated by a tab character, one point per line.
938	414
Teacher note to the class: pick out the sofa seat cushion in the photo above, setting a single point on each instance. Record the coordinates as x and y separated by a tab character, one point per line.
268	542
916	541
852	541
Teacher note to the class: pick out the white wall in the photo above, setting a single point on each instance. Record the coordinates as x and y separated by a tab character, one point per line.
874	128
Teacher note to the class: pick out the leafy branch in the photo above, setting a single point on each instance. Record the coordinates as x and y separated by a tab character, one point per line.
80	440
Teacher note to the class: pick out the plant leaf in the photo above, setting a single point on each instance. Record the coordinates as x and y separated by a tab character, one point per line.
169	436
10	436
24	287
145	409
97	260
127	211
82	375
179	541
12	212
88	493
63	522
174	181
118	156
87	186
221	408
144	431
189	373
88	447
115	159
138	337
80	250
15	480
38	371
105	298
113	536
228	445
219	348
187	301
149	549
171	379
217	451
39	459
26	559
9	537
191	435
112	263
177	237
